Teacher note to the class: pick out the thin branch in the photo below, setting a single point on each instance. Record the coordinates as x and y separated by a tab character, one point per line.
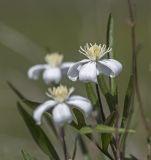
136	89
134	67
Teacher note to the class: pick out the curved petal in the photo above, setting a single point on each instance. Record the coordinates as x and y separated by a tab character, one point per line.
73	71
61	114
88	72
109	67
84	105
76	97
34	71
52	75
37	115
65	67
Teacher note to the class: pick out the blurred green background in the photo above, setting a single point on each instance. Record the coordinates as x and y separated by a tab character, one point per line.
28	27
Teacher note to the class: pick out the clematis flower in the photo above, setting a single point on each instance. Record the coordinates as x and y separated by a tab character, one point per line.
52	71
61	101
95	64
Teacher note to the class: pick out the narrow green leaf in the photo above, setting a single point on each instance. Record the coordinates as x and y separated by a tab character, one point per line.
33	105
91	94
106	138
106	92
30	103
104	129
50	122
86	130
109	32
75	148
80	119
127	102
92	140
131	158
27	156
148	148
38	134
84	149
110	43
110	119
107	129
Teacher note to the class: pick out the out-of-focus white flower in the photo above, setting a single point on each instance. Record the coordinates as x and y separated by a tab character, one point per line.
95	64
61	102
52	71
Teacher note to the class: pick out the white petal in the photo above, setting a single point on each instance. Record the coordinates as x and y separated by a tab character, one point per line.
109	67
61	114
88	72
65	67
52	75
73	71
34	72
37	115
76	97
84	105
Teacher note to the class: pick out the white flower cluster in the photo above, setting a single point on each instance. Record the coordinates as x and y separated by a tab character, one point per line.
52	71
61	100
85	70
95	64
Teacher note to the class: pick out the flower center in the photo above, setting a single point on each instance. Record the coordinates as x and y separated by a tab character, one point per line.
94	52
60	93
54	59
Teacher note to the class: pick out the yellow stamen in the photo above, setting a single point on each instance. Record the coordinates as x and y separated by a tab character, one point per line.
54	59
94	52
60	93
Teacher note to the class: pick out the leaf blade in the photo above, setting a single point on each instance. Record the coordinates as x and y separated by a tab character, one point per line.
80	119
104	129
91	94
27	156
106	138
38	134
127	101
30	103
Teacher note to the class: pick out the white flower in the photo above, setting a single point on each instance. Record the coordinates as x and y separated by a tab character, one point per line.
52	71
95	64
61	102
